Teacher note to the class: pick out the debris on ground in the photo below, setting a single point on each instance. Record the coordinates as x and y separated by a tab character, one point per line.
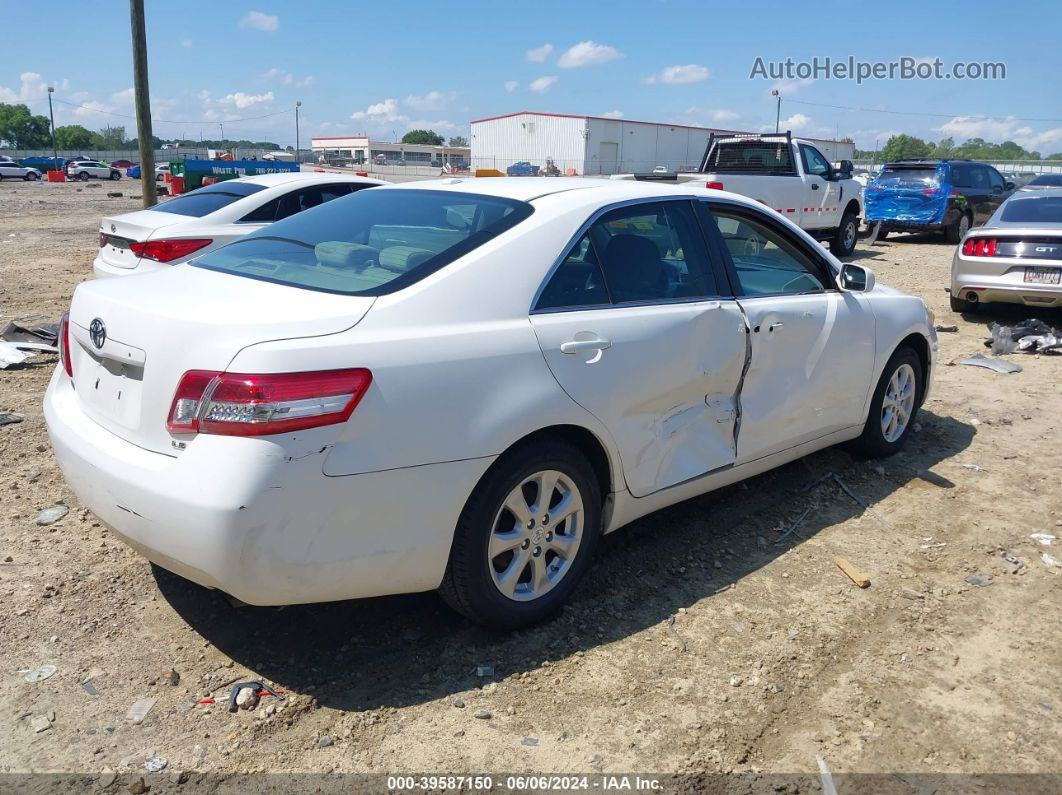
40	723
34	335
942	327
10	355
1050	560
156	764
1042	538
10	418
1029	336
854	574
1000	366
484	670
173	677
40	674
140	710
682	641
972	467
482	714
52	515
979	580
828	787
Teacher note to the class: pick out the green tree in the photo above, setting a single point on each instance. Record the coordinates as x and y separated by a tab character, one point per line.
423	137
74	136
19	129
458	140
944	148
110	137
904	147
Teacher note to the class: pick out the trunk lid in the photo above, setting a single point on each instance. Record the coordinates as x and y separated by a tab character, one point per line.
122	230
162	324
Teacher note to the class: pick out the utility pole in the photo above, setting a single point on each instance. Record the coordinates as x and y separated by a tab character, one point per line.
297	106
51	114
778	110
145	139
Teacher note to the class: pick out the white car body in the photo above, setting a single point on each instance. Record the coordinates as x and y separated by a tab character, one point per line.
91	169
12	170
673	398
118	233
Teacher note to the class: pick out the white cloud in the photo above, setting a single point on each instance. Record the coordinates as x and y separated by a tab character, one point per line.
433	100
511	86
612	114
724	115
542	84
384	116
92	109
387	110
679	75
539	54
586	53
31	87
256	20
124	97
1008	129
285	77
787	87
243	101
186	43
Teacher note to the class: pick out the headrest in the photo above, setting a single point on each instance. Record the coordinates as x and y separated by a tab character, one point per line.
340	254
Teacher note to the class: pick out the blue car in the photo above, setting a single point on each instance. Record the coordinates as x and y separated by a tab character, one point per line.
522	169
44	163
948	196
133	171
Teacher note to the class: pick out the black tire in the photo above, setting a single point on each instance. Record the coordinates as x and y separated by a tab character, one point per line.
83	176
961	305
843	243
872	443
30	177
468	586
116	175
159	178
884	233
957	231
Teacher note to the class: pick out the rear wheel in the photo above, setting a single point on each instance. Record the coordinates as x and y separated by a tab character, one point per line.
957	231
525	537
961	305
83	176
844	241
894	406
30	177
116	175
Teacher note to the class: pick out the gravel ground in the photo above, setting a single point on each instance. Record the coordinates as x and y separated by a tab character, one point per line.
704	641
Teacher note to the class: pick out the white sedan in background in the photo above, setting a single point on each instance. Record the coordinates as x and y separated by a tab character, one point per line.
192	224
9	169
463	384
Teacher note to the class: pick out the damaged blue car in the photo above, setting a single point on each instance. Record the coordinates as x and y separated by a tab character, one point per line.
948	196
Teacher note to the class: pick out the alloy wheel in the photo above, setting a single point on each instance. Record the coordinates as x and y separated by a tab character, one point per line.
536	535
897	404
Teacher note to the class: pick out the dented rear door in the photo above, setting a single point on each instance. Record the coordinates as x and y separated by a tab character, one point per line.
665	386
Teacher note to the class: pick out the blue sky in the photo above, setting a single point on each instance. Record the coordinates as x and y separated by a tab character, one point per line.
437	65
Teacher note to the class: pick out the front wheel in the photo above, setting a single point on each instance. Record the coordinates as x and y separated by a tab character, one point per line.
83	176
116	175
894	406
525	537
843	242
30	177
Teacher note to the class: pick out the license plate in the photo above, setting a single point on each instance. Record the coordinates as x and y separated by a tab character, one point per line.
1042	275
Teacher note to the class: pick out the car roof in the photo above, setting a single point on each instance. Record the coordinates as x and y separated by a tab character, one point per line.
288	177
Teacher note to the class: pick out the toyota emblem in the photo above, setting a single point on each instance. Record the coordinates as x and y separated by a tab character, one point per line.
97	332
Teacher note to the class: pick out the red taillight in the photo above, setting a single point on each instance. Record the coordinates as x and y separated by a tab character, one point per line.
714	185
238	404
168	250
64	344
102	240
979	247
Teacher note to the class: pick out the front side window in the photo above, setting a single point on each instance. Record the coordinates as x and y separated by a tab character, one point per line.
766	261
371	242
995	179
814	162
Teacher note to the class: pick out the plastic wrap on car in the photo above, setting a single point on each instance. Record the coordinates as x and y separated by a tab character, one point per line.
908	205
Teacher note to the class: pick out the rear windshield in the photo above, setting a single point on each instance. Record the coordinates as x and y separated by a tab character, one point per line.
371	242
751	157
908	177
1038	210
206	200
1051	180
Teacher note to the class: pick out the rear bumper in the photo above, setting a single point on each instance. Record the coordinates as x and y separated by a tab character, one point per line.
252	518
103	270
1002	280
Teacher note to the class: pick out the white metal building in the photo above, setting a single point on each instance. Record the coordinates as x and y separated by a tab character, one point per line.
599	145
360	149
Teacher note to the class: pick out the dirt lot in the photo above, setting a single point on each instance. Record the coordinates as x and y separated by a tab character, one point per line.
703	641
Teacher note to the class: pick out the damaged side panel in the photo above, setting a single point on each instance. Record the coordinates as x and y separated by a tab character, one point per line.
667	384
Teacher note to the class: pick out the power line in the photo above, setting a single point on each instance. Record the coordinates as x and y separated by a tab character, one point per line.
914	113
169	121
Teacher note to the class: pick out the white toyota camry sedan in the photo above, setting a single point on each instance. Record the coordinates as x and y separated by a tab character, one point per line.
195	223
463	384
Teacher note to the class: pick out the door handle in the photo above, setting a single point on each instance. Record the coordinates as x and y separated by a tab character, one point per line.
578	346
814	186
773	326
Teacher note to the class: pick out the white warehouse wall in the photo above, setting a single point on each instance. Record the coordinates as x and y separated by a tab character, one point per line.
500	142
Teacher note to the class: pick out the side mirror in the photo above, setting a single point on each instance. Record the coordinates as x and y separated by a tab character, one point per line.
856	278
1009	186
846	167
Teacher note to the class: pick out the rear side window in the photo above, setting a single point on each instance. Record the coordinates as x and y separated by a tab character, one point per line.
1039	210
372	242
206	200
646	252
